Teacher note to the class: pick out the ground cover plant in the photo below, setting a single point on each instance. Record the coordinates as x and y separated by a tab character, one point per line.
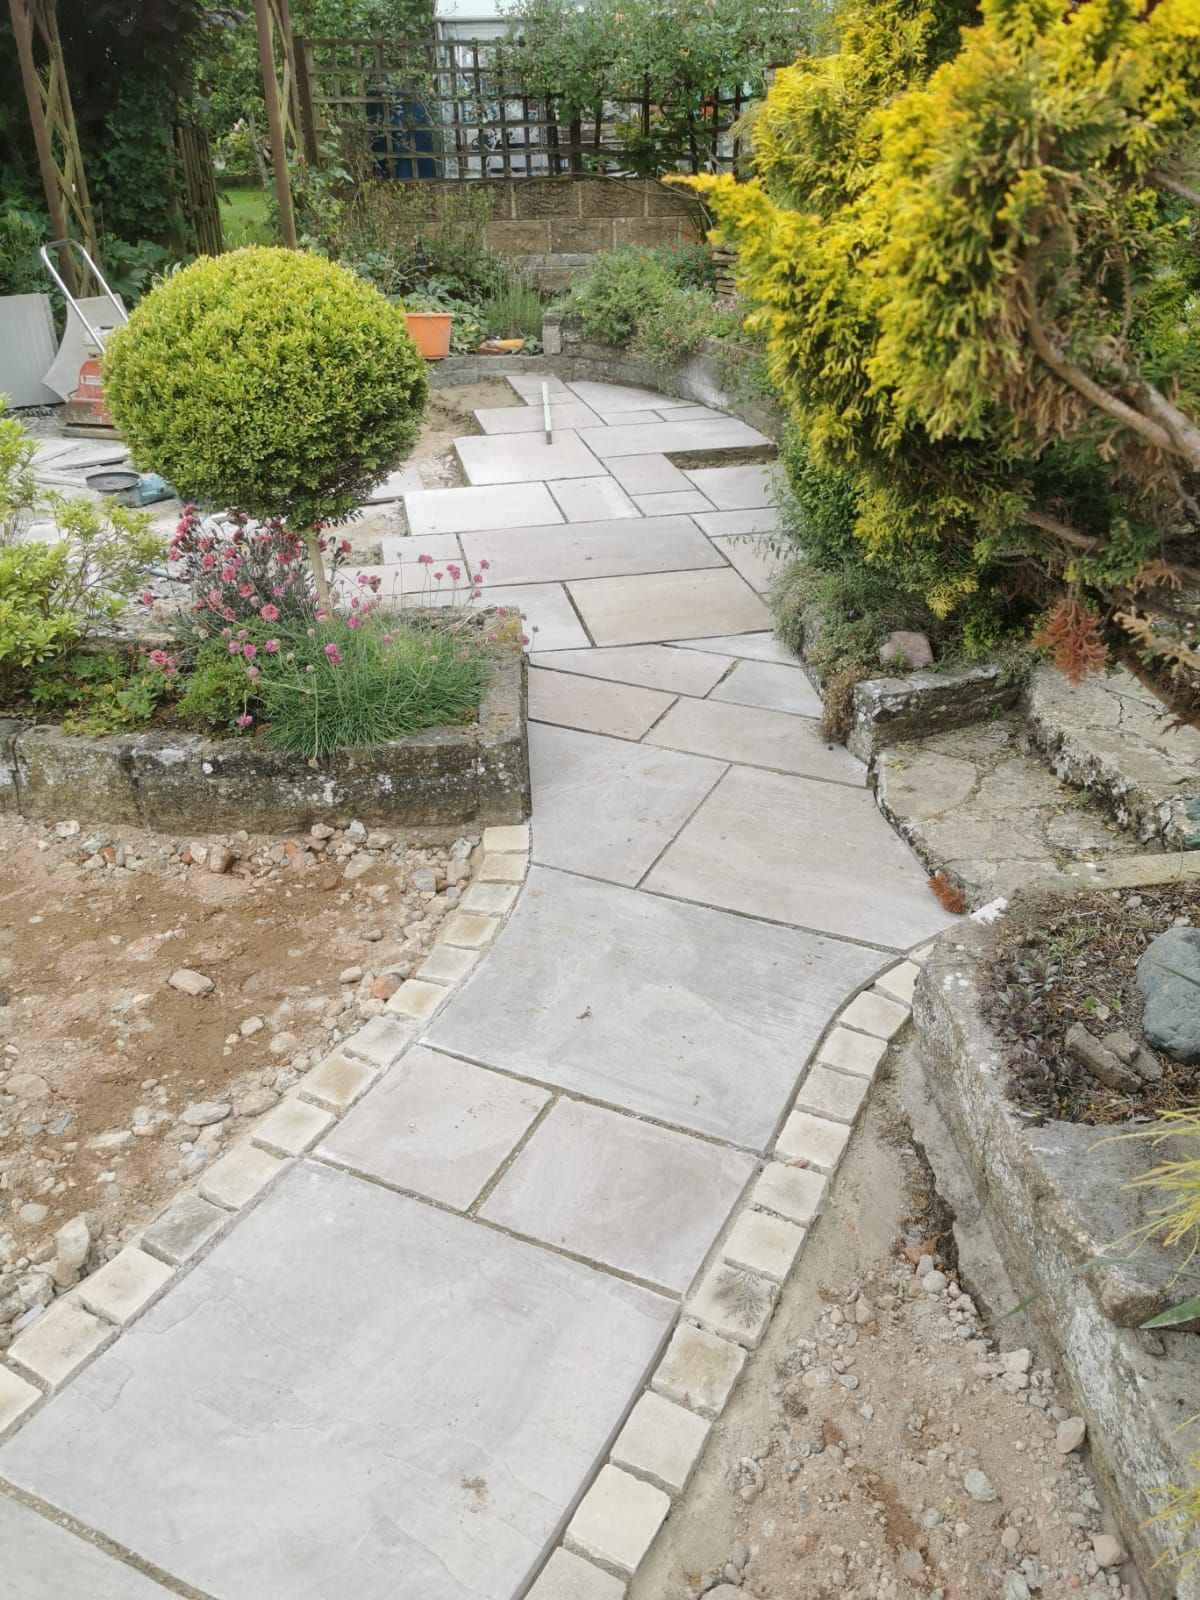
1018	421
658	301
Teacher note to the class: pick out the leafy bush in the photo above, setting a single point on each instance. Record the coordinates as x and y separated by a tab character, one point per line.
18	487
239	571
352	680
218	688
22	232
267	379
619	290
104	691
406	239
679	325
515	313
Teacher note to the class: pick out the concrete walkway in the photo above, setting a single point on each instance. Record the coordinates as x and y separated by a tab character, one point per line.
398	1373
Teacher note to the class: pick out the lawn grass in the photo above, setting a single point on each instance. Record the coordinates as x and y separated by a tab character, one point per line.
245	216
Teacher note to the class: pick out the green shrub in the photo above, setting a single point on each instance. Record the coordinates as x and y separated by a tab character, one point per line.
346	684
218	688
268	379
618	292
21	233
18	487
515	313
678	326
102	691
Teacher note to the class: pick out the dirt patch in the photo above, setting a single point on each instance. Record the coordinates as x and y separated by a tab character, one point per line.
1073	960
451	413
880	1446
296	942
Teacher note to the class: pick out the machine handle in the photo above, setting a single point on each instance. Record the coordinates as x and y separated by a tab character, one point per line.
74	244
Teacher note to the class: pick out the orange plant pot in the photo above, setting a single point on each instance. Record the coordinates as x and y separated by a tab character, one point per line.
430	332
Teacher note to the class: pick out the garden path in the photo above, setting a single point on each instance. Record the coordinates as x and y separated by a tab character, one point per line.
400	1371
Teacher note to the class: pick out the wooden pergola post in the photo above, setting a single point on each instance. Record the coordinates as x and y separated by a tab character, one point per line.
274	17
52	118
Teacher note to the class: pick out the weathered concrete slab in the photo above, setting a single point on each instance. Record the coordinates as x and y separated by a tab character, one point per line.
525	458
592	499
736	488
355	1394
621	1191
591	549
41	1561
756	737
472	510
767	684
606	807
617	709
663	437
654	666
434	1126
815	854
682	992
650	610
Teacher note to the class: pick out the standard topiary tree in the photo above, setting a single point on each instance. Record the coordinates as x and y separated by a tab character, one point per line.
268	379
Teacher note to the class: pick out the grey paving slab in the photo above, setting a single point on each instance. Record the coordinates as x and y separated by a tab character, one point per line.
460	510
675	1011
550	619
767	684
525	457
648	474
606	807
755	556
594	705
663	437
356	1394
736	488
592	549
41	1561
395	484
758	738
723	524
404	550
682	411
621	1191
744	646
531	419
815	854
655	666
529	386
682	502
434	1126
607	398
592	499
650	610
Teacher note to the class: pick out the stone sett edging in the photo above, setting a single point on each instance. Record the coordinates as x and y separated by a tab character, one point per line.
89	1317
729	1310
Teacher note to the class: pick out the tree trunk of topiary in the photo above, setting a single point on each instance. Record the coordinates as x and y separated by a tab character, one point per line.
317	562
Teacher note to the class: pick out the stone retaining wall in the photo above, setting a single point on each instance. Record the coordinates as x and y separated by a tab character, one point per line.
441	777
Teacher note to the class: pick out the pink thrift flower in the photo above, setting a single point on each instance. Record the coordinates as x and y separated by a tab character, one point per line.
272	647
354	622
234	648
147	597
245	590
424	561
485	566
249	651
253	674
228	574
455	572
159	657
269	613
438	576
334	654
245	720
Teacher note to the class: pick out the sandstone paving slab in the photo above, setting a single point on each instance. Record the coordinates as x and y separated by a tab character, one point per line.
606	807
620	1191
529	386
607	398
355	1394
531	419
402	550
395	484
665	606
692	1016
591	549
754	556
661	438
648	474
435	1126
525	457
745	646
592	499
772	686
653	666
818	855
756	737
736	488
681	502
472	509
550	619
39	1560
728	524
618	709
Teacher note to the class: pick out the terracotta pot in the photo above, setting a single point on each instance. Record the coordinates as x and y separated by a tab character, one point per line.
430	332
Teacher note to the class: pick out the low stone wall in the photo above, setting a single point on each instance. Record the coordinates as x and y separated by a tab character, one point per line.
441	777
1053	1199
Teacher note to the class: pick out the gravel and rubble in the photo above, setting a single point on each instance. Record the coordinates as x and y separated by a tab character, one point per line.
157	993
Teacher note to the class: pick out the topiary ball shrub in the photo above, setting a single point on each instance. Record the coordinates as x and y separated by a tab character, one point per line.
267	379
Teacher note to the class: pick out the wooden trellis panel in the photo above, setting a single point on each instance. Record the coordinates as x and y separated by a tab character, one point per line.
48	96
200	189
281	91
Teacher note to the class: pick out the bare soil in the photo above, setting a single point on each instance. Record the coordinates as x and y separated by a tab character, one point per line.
844	1467
302	939
1074	960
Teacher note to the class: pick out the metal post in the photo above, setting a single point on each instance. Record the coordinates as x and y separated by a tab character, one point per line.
283	188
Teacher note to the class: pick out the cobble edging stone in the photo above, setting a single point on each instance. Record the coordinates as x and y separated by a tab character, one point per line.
48	1353
729	1309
